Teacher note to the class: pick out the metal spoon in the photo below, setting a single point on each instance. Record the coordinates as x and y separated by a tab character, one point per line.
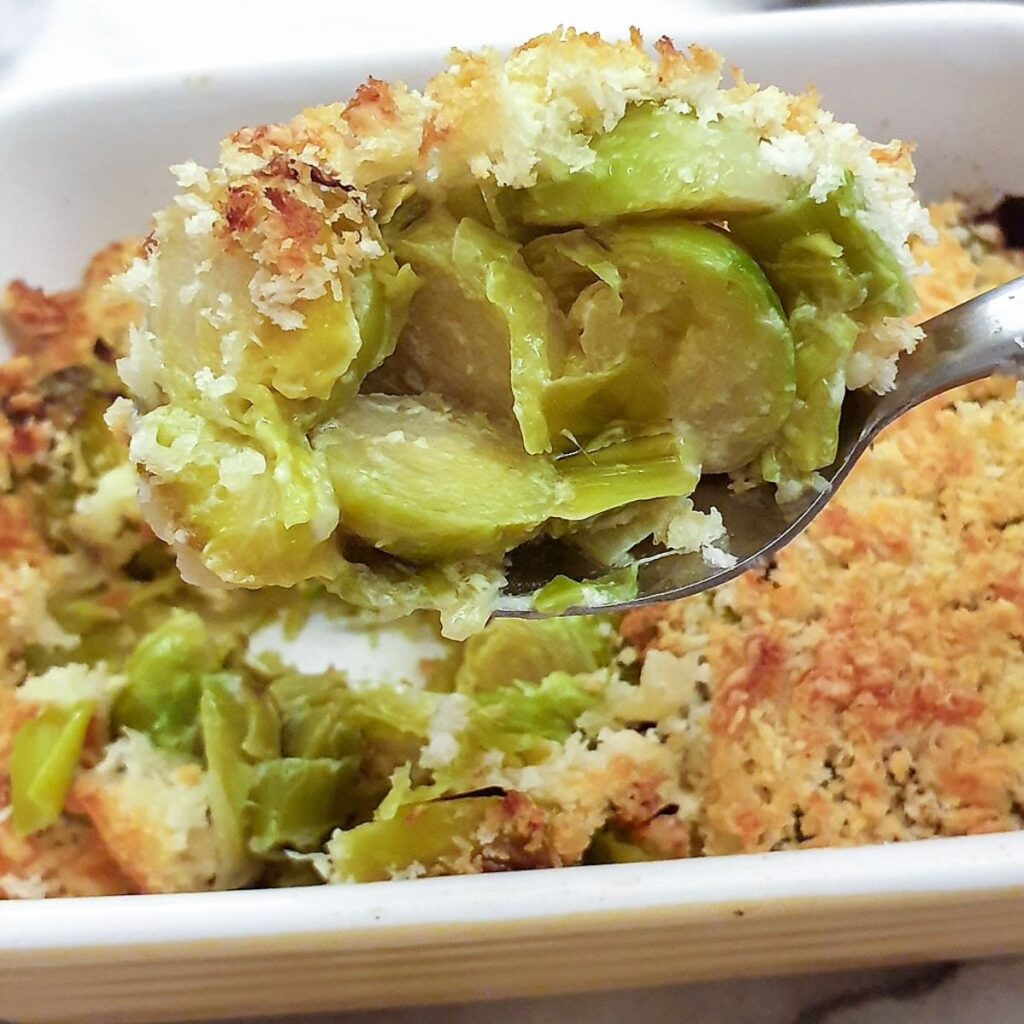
975	340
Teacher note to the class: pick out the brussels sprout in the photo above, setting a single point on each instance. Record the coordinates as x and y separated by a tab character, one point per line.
810	436
527	651
481	332
627	470
252	499
428	484
341	341
238	730
463	593
315	717
658	160
609	538
824	252
379	727
297	802
433	836
609	847
833	274
514	717
687	329
44	757
562	593
230	473
213	346
165	680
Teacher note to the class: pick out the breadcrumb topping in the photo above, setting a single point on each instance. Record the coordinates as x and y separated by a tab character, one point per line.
865	687
299	199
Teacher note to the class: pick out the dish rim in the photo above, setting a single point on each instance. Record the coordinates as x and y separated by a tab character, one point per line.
379	911
828	21
948	865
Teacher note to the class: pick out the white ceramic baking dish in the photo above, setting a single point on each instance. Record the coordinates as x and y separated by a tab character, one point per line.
84	167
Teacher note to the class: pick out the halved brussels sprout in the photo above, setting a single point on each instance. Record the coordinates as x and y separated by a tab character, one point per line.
341	341
660	160
463	593
524	651
630	469
428	484
514	717
609	846
165	682
481	332
213	346
296	802
561	593
609	538
834	274
822	250
239	730
252	498
677	323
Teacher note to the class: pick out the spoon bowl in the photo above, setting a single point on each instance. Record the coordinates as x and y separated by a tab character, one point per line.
977	339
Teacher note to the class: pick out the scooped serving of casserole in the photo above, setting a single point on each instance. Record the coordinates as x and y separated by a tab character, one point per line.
384	344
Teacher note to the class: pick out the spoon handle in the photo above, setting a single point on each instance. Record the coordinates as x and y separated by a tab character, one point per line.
978	339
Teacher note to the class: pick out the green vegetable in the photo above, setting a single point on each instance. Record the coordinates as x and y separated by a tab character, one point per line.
482	332
316	719
514	717
428	484
698	309
508	651
562	593
834	274
251	496
824	251
341	342
436	836
687	330
609	538
44	756
656	160
464	593
498	364
810	436
165	679
377	728
239	730
626	470
231	473
609	847
297	802
213	329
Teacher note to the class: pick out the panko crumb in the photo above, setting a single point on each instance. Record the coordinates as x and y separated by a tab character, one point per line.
152	811
866	686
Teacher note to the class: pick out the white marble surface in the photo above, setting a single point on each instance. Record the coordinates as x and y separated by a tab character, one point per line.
43	42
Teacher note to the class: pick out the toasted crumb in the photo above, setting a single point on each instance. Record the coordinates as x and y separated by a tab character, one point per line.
866	687
152	811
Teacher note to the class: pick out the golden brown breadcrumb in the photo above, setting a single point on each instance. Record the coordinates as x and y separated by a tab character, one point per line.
58	329
868	685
